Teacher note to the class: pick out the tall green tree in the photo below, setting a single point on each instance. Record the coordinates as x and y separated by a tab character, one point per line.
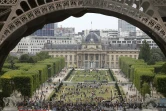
33	59
158	54
42	55
145	89
144	51
24	58
11	58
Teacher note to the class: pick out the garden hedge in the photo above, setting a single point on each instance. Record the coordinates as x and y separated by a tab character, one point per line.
28	77
137	71
111	74
125	64
160	83
68	75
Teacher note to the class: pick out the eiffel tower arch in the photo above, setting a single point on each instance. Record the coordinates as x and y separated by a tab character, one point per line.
19	18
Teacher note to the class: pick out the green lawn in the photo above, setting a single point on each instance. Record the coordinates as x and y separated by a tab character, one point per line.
69	93
99	93
82	76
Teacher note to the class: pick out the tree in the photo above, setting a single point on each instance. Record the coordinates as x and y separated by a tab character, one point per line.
163	69
24	58
144	51
145	89
11	58
155	57
32	59
42	55
157	54
151	61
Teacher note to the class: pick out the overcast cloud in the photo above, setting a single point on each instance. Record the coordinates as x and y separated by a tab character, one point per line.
98	22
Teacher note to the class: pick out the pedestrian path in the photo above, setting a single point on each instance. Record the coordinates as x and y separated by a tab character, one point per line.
130	90
47	88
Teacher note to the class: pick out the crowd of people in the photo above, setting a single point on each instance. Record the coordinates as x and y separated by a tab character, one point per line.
81	97
62	106
89	92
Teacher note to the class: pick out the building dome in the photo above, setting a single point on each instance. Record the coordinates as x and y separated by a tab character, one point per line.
92	38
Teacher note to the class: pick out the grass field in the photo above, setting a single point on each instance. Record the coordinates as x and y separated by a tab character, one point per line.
103	92
82	76
87	92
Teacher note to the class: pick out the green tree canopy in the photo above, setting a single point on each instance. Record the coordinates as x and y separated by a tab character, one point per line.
42	55
158	54
32	59
145	89
11	58
145	52
163	69
24	58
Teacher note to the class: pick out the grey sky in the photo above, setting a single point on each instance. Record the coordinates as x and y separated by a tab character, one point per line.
98	22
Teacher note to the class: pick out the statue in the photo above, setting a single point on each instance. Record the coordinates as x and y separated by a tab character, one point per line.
150	102
11	102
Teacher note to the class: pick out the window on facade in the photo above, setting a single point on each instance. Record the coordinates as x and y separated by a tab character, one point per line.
79	57
71	57
86	57
131	56
149	42
118	41
97	57
112	57
135	56
138	41
112	64
117	57
123	41
103	57
91	57
75	57
108	64
107	57
66	57
113	41
128	41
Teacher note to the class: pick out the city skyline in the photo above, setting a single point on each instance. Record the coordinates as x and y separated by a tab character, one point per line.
84	22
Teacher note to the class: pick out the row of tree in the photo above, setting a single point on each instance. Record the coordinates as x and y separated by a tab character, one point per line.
27	58
150	56
28	77
143	75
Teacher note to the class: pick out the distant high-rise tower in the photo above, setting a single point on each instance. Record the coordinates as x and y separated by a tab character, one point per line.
47	30
124	26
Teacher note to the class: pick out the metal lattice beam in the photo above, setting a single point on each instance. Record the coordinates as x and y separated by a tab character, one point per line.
17	16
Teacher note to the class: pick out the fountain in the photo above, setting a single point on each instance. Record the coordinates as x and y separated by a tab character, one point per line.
150	103
10	102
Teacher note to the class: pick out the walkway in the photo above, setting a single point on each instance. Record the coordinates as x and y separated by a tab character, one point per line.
47	88
128	90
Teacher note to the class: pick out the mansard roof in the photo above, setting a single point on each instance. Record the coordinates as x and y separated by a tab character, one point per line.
92	38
